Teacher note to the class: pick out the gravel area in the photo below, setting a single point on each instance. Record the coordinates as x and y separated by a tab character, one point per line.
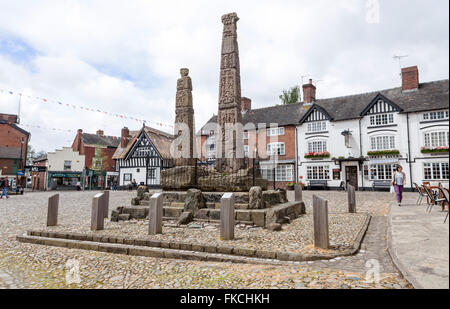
33	266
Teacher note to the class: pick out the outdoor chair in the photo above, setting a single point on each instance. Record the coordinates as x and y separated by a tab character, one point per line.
433	199
422	194
444	192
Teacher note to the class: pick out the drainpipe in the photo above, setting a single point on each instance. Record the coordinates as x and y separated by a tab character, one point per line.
409	152
296	156
360	154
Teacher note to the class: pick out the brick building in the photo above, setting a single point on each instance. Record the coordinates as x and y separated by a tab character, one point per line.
269	136
13	149
98	149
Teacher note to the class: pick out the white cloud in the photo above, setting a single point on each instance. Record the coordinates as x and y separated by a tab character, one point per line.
125	57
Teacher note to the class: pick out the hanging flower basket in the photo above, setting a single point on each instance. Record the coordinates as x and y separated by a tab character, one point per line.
434	150
317	155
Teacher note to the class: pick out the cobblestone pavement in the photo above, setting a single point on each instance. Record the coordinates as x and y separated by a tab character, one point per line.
34	266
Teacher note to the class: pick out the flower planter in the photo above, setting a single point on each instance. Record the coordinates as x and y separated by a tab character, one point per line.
290	188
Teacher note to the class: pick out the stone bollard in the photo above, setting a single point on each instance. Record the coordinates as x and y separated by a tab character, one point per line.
155	214
351	199
97	214
106	204
227	216
320	215
52	213
298	193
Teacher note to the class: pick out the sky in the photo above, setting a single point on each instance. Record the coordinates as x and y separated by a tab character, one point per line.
124	57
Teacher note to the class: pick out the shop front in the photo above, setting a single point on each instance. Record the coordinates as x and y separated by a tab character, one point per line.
64	180
94	180
111	178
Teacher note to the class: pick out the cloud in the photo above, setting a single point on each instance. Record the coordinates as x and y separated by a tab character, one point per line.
125	57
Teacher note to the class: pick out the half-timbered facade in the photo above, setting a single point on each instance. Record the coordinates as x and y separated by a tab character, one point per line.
143	157
361	139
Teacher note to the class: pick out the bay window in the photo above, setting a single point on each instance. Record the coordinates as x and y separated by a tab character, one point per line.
317	146
381	171
284	172
384	142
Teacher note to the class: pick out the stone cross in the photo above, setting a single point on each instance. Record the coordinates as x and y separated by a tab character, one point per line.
351	199
52	213
155	214
106	204
184	119
227	216
320	218
97	214
229	99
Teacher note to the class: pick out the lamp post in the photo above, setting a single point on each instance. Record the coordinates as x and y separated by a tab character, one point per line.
22	142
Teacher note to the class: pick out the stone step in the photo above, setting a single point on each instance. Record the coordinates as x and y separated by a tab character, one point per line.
173	212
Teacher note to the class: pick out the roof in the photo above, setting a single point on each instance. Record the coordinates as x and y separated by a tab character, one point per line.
161	140
15	126
9	153
98	140
430	96
41	158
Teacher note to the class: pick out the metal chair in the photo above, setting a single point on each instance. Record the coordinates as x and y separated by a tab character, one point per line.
421	194
444	192
433	199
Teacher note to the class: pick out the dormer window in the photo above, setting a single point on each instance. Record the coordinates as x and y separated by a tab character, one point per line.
320	126
381	119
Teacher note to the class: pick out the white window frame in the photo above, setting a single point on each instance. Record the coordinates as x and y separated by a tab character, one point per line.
283	172
317	126
437	138
278	148
436	115
246	149
381	171
382	142
382	119
245	135
435	170
317	145
318	172
275	131
67	167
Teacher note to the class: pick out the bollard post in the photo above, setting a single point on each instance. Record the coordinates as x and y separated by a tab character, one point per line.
106	203
298	193
227	216
52	212
155	214
320	215
97	216
351	199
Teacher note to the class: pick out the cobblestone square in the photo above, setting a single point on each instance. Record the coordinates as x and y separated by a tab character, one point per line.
35	266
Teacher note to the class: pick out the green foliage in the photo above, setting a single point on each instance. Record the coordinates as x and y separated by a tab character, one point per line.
383	153
290	96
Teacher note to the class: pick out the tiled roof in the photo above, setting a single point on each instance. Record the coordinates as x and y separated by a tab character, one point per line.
97	140
429	96
161	140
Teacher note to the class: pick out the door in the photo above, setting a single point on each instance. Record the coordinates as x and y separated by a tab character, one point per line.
351	176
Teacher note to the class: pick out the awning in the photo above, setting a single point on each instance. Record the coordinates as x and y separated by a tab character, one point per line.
384	161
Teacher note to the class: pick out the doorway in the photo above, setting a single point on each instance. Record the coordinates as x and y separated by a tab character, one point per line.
351	176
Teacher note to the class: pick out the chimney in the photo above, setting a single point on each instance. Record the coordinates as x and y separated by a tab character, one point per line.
76	146
410	78
124	137
246	104
100	133
309	93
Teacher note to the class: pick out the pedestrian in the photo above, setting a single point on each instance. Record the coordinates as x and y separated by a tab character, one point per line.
4	188
134	184
399	181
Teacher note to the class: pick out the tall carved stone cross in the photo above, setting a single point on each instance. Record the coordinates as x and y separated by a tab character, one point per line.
229	99
184	119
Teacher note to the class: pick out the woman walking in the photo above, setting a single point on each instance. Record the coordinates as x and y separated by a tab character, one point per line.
399	182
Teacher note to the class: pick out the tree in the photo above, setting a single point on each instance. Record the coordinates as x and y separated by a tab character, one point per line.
99	161
290	96
32	154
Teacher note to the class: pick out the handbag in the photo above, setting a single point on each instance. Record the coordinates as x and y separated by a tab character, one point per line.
392	189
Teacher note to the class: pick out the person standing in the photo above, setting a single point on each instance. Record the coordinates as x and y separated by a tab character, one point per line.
399	182
4	188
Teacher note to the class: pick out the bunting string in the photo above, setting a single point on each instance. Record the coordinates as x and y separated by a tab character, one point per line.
87	109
